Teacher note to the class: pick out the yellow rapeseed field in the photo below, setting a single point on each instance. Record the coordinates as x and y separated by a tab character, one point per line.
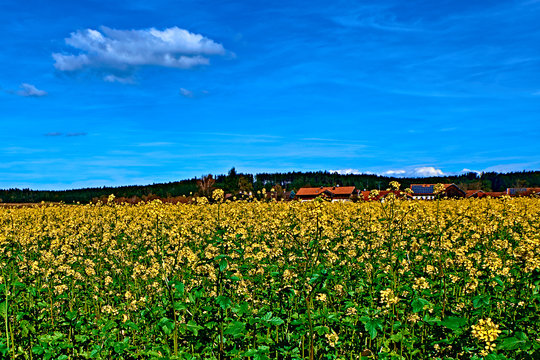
448	279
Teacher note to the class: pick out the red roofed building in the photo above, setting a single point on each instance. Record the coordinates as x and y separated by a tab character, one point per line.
476	194
334	193
495	194
522	191
426	191
482	194
381	195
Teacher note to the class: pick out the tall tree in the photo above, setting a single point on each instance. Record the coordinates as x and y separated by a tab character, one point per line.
206	185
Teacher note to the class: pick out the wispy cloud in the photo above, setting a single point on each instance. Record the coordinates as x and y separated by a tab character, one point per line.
394	172
29	90
119	79
428	171
379	22
347	171
465	170
71	134
186	93
125	49
155	144
423	171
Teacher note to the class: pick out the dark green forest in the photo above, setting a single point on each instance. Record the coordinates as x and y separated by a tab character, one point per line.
234	183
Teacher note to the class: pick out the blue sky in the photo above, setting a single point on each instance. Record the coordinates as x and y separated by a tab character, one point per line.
96	93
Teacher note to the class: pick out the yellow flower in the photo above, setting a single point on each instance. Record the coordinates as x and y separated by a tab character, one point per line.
332	338
394	185
438	188
218	195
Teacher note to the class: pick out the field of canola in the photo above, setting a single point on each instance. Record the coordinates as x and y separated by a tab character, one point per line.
448	279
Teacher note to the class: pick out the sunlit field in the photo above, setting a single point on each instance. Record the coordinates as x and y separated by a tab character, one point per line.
448	279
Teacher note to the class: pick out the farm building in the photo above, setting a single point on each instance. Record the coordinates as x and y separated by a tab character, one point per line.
427	192
483	194
523	191
381	195
334	193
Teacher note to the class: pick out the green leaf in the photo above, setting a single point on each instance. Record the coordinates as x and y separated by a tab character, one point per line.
520	341
453	322
321	330
270	320
371	326
71	315
38	350
179	305
132	325
241	309
418	304
193	327
81	338
3	308
235	328
431	320
224	301
276	321
94	353
223	264
119	347
267	316
498	281
166	325
26	328
179	288
314	278
397	337
494	356
481	300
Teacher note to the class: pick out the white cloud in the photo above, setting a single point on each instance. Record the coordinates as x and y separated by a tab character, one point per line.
427	171
394	172
346	171
124	49
30	90
186	92
119	79
424	171
465	170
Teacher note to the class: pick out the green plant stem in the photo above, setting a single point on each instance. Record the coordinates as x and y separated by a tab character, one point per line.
310	324
6	311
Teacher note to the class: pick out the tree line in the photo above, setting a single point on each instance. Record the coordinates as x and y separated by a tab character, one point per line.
236	183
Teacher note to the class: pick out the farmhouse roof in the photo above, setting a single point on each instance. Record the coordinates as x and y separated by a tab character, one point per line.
365	195
475	192
335	190
522	191
428	189
495	193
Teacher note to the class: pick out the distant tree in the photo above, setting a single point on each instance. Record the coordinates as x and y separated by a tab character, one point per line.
244	185
231	181
206	185
521	183
279	192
